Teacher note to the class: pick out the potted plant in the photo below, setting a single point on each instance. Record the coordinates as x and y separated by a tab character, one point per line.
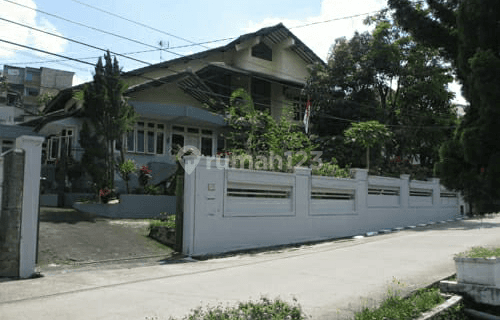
480	266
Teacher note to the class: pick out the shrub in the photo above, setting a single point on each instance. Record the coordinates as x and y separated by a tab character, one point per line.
265	309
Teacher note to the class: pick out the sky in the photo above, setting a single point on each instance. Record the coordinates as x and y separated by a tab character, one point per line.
178	25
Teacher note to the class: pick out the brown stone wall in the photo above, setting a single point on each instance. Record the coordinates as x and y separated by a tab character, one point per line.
10	219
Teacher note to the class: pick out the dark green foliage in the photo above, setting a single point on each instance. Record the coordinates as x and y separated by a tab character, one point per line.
108	115
93	157
388	77
466	33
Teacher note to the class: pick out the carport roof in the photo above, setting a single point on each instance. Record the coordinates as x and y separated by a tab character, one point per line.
14	131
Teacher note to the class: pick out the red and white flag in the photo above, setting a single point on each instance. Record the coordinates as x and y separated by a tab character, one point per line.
307	114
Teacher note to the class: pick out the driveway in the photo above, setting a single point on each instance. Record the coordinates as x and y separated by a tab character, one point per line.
330	280
69	239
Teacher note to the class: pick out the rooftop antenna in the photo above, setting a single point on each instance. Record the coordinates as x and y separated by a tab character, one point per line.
161	43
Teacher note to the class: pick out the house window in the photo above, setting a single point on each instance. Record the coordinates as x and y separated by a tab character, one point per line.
298	103
29	76
6	145
261	94
33	92
200	138
146	137
60	145
262	51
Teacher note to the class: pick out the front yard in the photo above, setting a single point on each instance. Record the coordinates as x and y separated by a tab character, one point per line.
68	239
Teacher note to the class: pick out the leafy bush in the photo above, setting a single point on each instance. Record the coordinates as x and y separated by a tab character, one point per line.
480	252
397	307
168	222
332	169
265	309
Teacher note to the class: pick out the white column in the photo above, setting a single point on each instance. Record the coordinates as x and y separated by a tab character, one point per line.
302	191
404	191
32	147
189	205
361	176
436	194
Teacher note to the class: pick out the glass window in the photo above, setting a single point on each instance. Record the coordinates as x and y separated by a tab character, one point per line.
54	148
151	142
206	146
262	51
193	130
151	125
140	140
161	126
180	129
159	142
130	141
177	142
207	132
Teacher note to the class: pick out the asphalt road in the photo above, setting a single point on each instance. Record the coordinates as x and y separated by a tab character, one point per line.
330	280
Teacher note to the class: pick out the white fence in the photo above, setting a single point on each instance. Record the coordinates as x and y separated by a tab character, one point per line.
231	209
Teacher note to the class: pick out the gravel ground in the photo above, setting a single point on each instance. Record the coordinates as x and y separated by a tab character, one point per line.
69	239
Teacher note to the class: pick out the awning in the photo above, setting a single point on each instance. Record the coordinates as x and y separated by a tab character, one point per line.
182	115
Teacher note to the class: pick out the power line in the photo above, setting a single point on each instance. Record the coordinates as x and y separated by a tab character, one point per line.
75	41
200	91
334	19
46	52
92	28
140	24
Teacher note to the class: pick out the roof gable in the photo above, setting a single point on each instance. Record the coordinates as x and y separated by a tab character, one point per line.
270	35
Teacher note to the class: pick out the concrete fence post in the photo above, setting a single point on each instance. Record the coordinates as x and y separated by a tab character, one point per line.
189	203
302	190
1	183
10	220
404	192
32	147
436	194
361	176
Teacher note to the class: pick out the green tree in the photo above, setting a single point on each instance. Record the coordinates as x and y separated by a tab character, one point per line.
108	113
368	134
256	134
388	77
466	32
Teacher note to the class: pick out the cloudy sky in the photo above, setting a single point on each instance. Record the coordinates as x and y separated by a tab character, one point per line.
179	24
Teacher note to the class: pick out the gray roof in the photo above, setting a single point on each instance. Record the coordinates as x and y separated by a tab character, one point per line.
272	34
12	132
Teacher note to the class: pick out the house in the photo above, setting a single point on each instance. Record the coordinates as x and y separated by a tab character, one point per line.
181	101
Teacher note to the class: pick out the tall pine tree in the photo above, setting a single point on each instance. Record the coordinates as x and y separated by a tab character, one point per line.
108	114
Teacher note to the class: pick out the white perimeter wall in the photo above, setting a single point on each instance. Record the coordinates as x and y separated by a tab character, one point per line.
232	209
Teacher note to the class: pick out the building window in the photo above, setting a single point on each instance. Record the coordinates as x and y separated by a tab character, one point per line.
29	76
298	102
199	138
146	137
262	51
33	92
6	145
60	145
261	94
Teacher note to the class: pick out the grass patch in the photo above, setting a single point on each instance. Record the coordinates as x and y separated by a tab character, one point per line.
397	307
168	222
480	252
264	309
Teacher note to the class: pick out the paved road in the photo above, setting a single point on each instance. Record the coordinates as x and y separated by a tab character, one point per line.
330	280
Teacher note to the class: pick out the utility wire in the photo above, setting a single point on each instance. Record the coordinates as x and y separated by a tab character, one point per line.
75	41
92	28
200	91
140	24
